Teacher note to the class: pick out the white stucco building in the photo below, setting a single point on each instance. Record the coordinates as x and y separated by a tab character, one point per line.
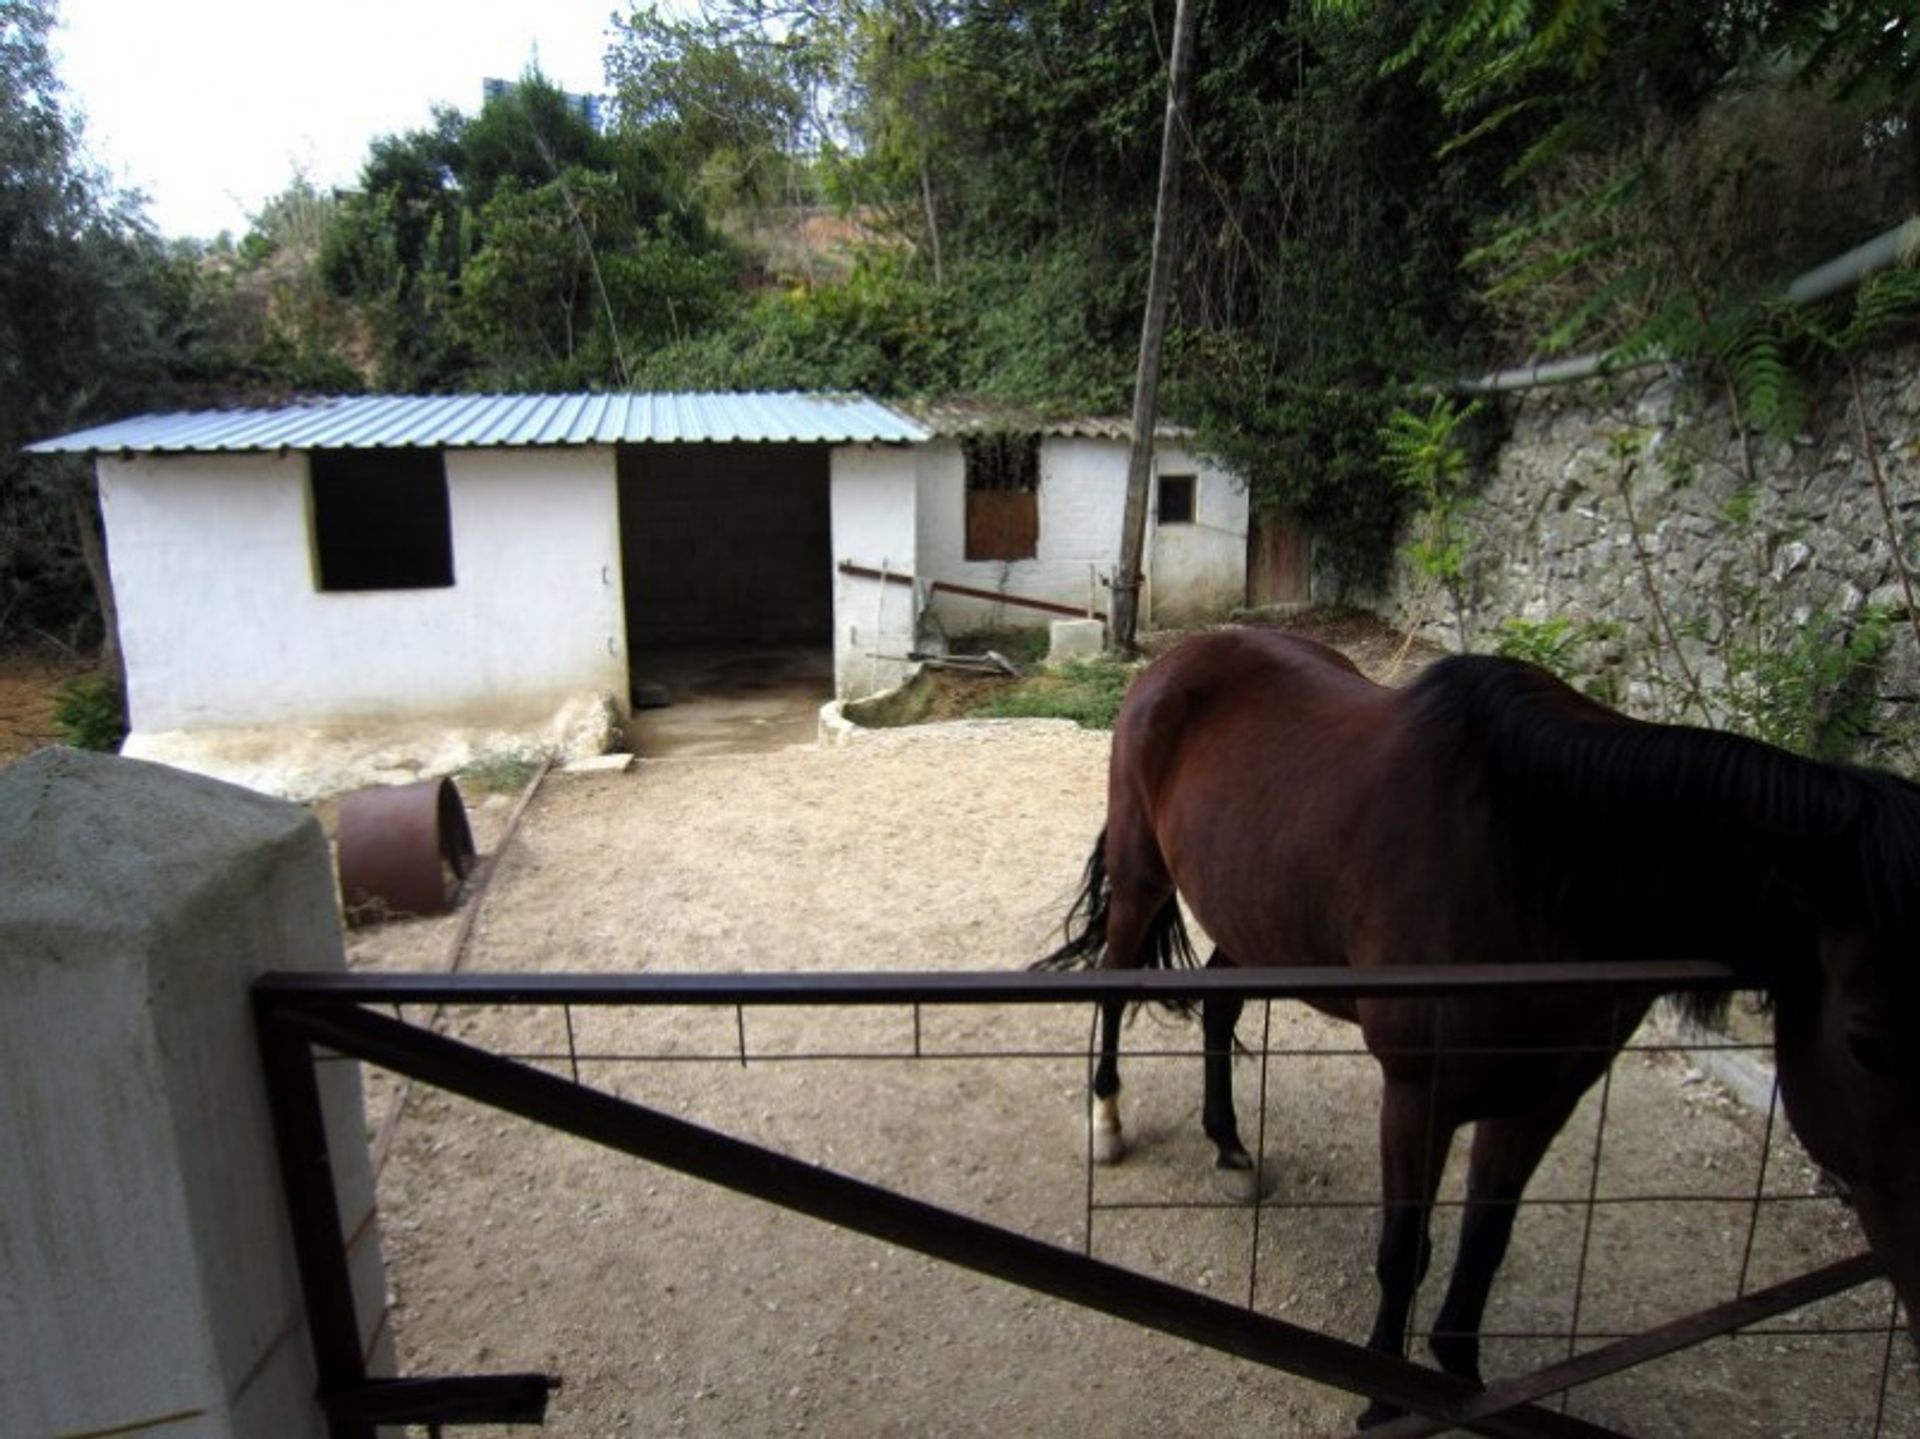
437	577
1036	511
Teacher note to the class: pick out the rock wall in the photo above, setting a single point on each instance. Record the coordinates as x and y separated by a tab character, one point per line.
1685	581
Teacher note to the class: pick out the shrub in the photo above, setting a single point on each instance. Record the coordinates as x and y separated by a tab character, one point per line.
91	713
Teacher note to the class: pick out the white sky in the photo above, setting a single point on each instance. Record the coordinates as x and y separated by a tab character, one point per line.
209	106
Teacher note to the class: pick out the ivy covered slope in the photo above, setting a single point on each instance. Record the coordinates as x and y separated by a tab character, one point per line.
1737	536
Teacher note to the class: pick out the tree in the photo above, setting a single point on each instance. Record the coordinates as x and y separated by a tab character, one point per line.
94	311
520	247
396	247
729	97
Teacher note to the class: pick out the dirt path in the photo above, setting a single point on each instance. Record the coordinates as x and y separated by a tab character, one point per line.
30	685
674	1308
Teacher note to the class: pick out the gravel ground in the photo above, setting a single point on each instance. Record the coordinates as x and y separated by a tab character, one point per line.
672	1307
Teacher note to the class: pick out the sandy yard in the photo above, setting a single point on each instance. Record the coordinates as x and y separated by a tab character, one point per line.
672	1307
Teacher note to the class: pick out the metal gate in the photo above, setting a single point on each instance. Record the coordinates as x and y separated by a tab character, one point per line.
300	1016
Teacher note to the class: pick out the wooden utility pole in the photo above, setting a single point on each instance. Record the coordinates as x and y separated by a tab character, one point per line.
1146	389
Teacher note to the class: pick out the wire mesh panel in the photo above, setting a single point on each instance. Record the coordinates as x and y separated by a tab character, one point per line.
1662	1197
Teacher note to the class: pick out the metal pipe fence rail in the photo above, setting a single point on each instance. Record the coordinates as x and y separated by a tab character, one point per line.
304	1019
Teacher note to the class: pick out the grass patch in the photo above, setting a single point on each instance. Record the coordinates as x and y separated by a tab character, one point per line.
1088	692
500	773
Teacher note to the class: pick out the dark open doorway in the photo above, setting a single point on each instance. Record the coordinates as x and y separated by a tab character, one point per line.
727	556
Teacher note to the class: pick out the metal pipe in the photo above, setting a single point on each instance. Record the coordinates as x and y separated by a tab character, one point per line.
947	587
1883	250
803	987
1849	269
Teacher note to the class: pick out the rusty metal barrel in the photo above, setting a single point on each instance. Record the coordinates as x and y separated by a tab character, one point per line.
403	849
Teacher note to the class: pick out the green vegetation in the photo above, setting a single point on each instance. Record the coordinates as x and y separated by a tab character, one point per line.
1425	453
1556	644
1817	692
1088	692
91	714
500	773
93	310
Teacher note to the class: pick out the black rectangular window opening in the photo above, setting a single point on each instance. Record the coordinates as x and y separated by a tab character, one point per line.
1176	499
381	520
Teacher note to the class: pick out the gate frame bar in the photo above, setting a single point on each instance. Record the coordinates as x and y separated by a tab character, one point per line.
296	1012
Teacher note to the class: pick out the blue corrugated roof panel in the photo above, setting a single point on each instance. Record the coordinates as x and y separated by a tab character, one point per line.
473	421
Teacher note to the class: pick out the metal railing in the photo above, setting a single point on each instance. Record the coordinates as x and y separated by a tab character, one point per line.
303	1017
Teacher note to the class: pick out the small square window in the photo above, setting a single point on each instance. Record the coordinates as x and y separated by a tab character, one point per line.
381	520
1176	499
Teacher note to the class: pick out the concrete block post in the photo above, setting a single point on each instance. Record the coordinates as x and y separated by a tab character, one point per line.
1076	640
147	1279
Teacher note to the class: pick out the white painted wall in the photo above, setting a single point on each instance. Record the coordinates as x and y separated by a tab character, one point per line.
1197	572
1083	484
224	626
874	499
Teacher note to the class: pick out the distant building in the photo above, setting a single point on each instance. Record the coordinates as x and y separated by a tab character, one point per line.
587	107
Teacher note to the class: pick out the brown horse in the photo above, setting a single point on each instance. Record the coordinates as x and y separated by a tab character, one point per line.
1489	814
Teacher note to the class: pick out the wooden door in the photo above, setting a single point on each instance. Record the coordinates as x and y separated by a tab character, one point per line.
1279	561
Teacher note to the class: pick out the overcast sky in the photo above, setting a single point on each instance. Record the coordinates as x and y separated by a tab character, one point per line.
209	106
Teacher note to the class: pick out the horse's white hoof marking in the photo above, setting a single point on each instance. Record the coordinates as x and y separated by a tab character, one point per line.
1108	1144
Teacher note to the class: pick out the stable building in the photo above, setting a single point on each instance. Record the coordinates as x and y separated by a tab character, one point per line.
414	581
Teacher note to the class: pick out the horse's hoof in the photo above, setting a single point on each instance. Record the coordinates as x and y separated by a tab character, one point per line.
1458	1355
1108	1145
1243	1181
1376	1414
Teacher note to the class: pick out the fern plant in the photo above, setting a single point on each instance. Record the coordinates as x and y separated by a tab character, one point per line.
1816	692
1557	644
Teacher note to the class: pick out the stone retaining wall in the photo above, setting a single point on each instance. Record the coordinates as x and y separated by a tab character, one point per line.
1624	507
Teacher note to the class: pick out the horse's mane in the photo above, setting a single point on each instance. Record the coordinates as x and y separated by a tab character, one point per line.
1709	840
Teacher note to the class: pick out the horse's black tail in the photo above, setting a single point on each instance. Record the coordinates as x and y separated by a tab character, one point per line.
1166	945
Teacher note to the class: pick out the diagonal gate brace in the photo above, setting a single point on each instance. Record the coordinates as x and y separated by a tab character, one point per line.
1680	1334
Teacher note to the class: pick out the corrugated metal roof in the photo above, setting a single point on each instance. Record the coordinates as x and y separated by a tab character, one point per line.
949	420
469	421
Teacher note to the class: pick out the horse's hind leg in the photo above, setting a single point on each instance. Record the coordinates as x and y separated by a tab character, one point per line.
1218	1016
1505	1154
1108	1145
1413	1150
1139	891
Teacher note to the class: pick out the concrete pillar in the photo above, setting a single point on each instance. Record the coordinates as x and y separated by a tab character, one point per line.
147	1281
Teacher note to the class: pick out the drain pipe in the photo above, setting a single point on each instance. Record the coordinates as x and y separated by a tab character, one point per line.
1858	263
1818	283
